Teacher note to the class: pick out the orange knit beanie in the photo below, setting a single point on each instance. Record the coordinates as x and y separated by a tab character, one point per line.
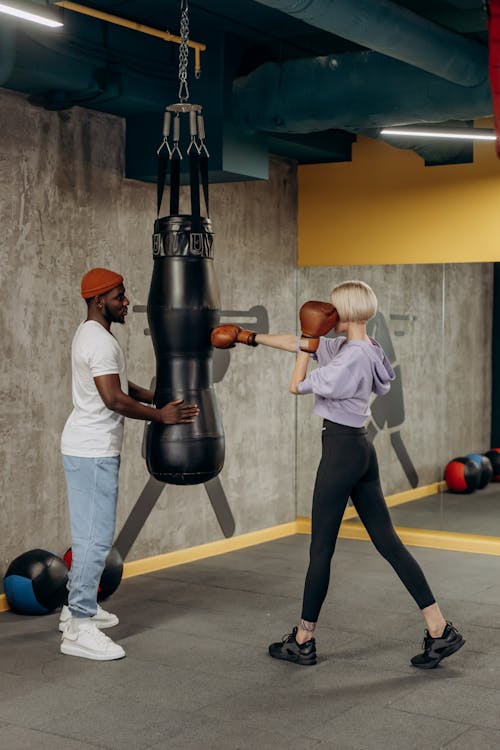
99	281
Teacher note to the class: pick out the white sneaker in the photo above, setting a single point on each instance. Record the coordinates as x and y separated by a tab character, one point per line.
82	637
102	619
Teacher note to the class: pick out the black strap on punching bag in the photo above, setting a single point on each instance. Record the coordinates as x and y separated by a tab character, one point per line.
198	171
198	168
175	181
175	177
161	179
204	177
194	185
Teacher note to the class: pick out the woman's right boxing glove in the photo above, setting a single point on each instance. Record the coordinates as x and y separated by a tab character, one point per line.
226	336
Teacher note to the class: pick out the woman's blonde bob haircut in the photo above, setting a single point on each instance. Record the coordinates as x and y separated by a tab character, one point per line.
354	301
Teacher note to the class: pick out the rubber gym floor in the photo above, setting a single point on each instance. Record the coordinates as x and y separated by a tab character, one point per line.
197	674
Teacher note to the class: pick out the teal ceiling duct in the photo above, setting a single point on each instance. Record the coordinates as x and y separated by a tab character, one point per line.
78	69
117	71
392	30
7	51
352	91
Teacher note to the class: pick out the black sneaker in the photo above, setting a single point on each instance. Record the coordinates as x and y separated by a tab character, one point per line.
438	648
289	650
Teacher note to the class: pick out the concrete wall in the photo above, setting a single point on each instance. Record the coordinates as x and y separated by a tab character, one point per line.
65	207
439	319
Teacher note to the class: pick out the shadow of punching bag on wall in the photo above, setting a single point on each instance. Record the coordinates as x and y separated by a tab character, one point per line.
389	411
215	491
183	308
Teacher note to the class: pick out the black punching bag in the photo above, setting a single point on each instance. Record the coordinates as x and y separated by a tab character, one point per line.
183	308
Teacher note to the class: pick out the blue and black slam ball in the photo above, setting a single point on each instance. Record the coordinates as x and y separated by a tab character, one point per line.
462	475
494	456
35	582
483	463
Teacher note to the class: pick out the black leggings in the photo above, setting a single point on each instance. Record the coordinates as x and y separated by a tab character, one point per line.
349	467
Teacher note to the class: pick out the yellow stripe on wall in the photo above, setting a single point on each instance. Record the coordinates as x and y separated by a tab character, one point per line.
200	552
399	498
486	545
387	207
432	538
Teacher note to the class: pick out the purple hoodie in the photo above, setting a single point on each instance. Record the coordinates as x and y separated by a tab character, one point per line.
348	373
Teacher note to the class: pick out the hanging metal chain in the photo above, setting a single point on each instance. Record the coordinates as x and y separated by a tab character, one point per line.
184	53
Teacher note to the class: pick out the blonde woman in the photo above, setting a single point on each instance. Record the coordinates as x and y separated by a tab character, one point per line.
351	367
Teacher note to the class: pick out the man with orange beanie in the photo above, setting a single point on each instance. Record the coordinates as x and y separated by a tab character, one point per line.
91	445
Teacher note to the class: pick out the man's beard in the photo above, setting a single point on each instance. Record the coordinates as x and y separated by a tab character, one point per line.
111	318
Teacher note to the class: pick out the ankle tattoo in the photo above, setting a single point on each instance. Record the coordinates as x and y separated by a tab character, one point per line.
310	627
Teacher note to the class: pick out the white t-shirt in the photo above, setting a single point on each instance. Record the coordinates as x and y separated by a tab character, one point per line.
92	430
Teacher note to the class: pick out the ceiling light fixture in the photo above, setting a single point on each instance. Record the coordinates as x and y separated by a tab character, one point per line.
31	12
473	134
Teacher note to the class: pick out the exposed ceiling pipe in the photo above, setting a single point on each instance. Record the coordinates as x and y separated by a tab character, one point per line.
127	24
394	31
464	4
353	91
63	74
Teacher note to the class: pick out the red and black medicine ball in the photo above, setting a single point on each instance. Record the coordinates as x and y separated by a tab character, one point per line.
111	575
494	456
462	475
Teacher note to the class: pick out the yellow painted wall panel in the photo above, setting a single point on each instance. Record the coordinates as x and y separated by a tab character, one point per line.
387	207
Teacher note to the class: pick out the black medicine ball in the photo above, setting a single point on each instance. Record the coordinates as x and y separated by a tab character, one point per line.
483	463
494	456
35	582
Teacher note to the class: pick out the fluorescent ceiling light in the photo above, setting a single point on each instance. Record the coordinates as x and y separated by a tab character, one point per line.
30	12
473	134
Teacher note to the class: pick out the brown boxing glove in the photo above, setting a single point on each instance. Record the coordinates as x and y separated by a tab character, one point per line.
316	319
226	336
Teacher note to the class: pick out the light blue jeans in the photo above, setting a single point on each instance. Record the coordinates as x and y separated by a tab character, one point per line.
92	494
